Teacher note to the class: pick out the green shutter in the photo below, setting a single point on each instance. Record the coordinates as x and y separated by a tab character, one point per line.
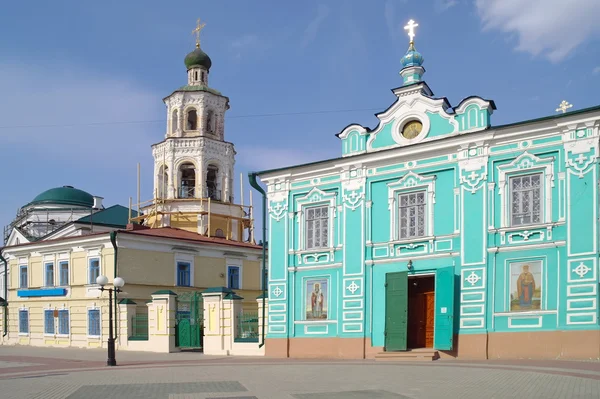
444	308
396	311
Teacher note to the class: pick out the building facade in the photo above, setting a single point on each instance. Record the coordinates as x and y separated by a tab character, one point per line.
437	229
53	298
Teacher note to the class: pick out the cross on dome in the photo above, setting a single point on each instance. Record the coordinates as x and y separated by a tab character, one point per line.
410	27
197	31
564	106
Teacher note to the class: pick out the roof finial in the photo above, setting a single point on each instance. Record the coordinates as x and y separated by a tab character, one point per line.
564	105
410	27
196	31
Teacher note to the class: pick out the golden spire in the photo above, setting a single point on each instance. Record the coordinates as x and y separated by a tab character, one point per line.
196	32
564	105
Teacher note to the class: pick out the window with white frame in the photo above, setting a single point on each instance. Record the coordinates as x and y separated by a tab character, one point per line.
183	274
411	215
63	322
63	273
22	276
49	322
94	322
93	270
317	227
233	277
49	274
23	321
526	199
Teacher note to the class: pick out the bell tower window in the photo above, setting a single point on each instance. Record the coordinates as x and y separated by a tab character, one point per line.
188	180
192	120
174	121
210	121
163	181
212	191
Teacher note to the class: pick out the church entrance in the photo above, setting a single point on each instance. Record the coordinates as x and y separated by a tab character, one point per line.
421	311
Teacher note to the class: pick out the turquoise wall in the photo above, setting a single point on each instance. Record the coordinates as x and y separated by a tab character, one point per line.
469	228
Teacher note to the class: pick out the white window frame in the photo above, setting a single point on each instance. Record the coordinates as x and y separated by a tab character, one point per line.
511	198
316	198
187	258
87	324
49	309
46	263
63	309
411	183
89	259
27	279
235	262
525	164
24	334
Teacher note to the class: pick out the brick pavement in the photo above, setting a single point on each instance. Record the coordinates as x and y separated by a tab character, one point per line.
82	374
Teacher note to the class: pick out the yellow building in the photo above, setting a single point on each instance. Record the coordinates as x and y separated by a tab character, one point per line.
53	298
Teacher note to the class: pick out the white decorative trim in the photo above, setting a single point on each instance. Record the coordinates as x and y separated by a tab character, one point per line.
87	321
591	292
480	310
316	197
538	320
402	121
478	319
575	266
411	182
346	302
463	300
592	304
531	164
592	315
345	328
359	313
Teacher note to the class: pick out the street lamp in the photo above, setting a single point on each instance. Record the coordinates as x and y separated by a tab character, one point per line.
118	283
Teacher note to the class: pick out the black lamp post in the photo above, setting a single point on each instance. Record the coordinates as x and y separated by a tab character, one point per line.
118	284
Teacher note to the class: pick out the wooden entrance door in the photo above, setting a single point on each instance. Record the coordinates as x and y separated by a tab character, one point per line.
421	316
396	294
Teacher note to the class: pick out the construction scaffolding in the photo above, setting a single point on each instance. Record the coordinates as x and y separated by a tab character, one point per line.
153	213
37	222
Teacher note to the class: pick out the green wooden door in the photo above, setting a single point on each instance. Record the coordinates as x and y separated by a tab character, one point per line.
444	308
396	311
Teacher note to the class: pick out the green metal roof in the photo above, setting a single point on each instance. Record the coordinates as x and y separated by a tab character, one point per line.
65	195
116	215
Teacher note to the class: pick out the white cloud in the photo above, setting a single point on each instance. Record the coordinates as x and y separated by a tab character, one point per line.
264	158
310	33
551	28
247	43
596	70
444	5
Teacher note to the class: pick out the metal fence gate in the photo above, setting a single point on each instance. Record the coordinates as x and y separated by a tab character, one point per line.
189	320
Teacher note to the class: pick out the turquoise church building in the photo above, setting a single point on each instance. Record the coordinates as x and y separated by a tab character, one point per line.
437	232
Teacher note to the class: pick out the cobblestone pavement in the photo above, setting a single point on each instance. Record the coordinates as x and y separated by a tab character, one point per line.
71	373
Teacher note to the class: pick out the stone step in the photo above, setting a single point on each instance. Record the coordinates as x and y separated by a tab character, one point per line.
420	355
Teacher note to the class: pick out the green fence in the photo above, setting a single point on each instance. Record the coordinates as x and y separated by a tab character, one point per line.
139	327
246	327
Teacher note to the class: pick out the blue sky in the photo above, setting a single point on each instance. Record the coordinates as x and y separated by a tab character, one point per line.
81	83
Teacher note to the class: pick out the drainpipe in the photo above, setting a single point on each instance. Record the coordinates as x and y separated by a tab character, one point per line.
254	184
113	241
5	294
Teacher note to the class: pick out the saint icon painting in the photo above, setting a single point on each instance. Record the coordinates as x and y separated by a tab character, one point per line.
316	299
525	286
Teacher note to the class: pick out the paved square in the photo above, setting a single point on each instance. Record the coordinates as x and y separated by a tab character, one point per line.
154	391
351	395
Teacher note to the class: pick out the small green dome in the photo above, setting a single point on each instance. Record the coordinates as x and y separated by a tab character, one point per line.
65	195
197	58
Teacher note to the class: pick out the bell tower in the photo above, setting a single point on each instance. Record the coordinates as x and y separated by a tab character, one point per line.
194	165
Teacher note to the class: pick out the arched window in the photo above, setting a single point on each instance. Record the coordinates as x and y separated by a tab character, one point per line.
188	180
212	191
192	120
219	233
210	121
174	121
163	182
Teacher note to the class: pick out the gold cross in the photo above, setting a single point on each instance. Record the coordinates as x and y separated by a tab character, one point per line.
410	27
197	32
564	105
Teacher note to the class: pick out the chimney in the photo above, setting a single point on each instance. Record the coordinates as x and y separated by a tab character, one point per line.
98	203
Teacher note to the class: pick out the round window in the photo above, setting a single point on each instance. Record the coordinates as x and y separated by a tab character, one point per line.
412	129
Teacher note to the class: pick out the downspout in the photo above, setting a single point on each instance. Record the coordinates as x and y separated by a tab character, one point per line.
113	241
5	331
254	184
